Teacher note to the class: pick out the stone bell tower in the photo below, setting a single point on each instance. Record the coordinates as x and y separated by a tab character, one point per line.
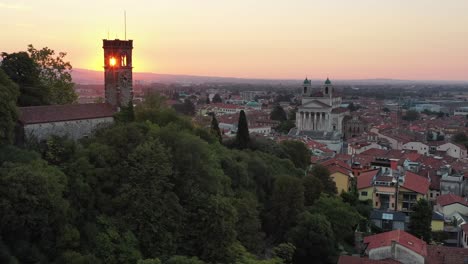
118	72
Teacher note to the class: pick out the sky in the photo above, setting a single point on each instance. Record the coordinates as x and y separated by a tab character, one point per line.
342	39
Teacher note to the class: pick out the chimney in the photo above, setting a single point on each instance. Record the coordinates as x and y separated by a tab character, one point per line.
393	249
394	164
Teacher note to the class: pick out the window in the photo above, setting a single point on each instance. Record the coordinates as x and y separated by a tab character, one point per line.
376	204
393	205
123	60
432	195
364	193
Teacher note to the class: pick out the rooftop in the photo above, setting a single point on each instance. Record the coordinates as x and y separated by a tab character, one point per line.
57	113
401	237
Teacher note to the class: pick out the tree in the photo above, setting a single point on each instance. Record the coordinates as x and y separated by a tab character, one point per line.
22	70
336	210
216	99
420	220
285	126
126	113
297	152
32	209
152	207
186	108
323	175
242	136
215	129
9	93
287	202
55	73
207	99
313	187
314	239
460	138
278	113
411	115
248	224
285	251
385	109
353	107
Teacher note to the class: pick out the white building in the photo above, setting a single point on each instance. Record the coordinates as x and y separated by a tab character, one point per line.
320	116
420	147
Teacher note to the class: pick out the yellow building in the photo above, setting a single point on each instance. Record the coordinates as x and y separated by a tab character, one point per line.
365	185
340	173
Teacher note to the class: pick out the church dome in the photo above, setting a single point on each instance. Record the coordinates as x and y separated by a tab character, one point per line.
252	104
328	81
307	81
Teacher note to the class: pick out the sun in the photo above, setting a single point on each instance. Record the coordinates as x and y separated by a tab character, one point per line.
112	61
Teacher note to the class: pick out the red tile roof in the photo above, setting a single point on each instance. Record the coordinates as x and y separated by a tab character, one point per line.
365	179
401	237
375	152
336	162
416	183
448	199
364	260
446	255
56	113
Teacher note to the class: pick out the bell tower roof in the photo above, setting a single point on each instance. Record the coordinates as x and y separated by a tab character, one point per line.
307	81
328	81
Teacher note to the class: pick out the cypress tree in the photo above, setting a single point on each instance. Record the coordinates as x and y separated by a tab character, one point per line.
215	129
242	137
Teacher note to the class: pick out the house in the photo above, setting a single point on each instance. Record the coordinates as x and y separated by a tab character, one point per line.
418	146
437	223
411	188
450	204
365	185
464	235
453	150
388	220
396	245
392	190
73	121
401	247
341	174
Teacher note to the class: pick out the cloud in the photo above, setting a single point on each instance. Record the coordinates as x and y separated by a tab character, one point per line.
13	6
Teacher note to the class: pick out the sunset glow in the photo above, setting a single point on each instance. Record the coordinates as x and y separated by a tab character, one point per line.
112	61
418	39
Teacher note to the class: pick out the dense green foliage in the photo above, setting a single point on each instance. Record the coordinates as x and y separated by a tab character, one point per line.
42	77
8	112
242	136
160	190
411	115
22	70
55	73
278	113
420	220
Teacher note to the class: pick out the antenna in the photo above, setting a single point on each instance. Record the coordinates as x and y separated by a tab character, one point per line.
108	33
125	24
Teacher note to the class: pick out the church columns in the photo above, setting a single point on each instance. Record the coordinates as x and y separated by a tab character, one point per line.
313	121
298	120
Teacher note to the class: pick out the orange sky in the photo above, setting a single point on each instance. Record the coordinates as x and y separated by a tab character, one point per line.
343	39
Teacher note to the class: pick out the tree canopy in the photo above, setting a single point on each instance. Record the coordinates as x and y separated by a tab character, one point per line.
9	93
420	220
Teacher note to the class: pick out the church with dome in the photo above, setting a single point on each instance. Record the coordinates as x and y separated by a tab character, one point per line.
320	115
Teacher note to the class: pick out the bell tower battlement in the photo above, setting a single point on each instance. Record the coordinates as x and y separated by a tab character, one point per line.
118	72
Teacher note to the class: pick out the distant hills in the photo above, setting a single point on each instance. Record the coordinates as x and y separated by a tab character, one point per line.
83	76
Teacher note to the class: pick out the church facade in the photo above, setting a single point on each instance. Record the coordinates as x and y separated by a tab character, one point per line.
320	115
76	121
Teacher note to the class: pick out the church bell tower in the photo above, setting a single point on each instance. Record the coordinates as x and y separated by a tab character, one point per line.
118	72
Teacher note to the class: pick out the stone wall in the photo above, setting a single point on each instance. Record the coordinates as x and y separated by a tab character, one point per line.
74	129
